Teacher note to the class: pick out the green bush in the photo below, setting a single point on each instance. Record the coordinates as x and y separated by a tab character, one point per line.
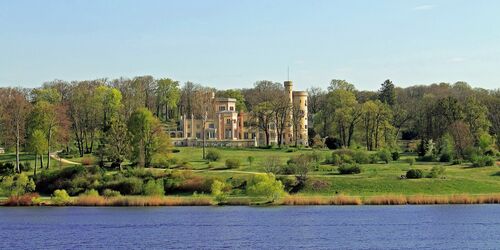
334	159
414	174
395	155
361	157
233	163
126	186
410	161
426	158
456	162
482	161
61	197
445	157
6	168
91	192
154	188
349	169
437	172
110	193
213	155
384	155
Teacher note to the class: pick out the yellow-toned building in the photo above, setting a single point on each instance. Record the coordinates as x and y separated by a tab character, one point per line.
224	126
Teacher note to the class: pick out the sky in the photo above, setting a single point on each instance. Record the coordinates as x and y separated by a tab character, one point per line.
233	44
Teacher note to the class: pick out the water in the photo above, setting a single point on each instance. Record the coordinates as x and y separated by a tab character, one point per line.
318	227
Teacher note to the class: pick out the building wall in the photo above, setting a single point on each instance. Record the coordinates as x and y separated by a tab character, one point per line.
226	124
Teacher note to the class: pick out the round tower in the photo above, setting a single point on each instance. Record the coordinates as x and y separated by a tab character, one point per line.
300	103
288	135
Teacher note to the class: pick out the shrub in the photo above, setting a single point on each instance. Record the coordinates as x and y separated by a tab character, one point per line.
250	160
91	192
384	155
333	143
334	159
220	190
25	166
6	168
410	161
395	155
361	157
154	188
213	155
27	199
110	193
456	162
61	197
267	186
414	174
426	158
126	186
445	157
349	169
87	161
436	172
233	163
482	161
175	150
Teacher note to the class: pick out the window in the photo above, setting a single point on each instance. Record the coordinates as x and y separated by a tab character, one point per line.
231	108
211	125
189	134
234	121
305	126
228	121
222	108
198	135
245	135
253	136
189	126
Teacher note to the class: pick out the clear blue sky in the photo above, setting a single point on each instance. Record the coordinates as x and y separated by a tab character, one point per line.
229	44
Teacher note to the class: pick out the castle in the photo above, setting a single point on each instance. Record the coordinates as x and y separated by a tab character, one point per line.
224	126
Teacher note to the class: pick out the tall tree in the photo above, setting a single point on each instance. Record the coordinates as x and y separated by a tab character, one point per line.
168	95
14	116
387	93
149	141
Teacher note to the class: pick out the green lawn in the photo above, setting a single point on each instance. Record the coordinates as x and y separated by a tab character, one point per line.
375	179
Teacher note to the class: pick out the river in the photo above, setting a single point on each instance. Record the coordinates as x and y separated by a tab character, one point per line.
309	227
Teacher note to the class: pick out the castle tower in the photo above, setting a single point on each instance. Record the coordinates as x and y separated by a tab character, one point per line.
300	103
288	135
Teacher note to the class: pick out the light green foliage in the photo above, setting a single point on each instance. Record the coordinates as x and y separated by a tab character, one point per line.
150	144
61	197
37	142
385	155
17	185
220	190
266	185
91	192
154	188
110	193
485	141
250	160
233	163
236	94
213	155
437	172
168	95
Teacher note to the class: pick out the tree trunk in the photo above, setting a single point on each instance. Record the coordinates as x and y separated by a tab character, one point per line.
18	169
48	148
41	161
34	171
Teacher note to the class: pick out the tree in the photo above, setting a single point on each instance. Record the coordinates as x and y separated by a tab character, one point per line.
236	94
14	115
168	95
346	113
149	141
341	85
266	185
38	145
281	109
387	93
476	116
119	143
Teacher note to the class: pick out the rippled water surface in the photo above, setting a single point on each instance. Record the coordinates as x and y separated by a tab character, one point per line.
318	227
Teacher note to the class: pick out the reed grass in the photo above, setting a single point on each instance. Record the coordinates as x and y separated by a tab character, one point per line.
299	200
142	201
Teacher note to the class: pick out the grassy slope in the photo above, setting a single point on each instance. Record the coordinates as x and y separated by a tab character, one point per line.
376	178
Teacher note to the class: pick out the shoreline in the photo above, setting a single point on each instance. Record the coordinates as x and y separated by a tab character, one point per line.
290	200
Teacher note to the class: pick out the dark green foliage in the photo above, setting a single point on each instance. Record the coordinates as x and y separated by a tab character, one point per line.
395	155
233	163
414	174
384	155
361	157
333	143
387	94
175	150
426	158
445	157
437	172
75	180
349	169
126	186
213	155
6	168
482	161
110	193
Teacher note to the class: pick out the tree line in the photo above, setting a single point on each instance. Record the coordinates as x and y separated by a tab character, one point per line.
125	119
